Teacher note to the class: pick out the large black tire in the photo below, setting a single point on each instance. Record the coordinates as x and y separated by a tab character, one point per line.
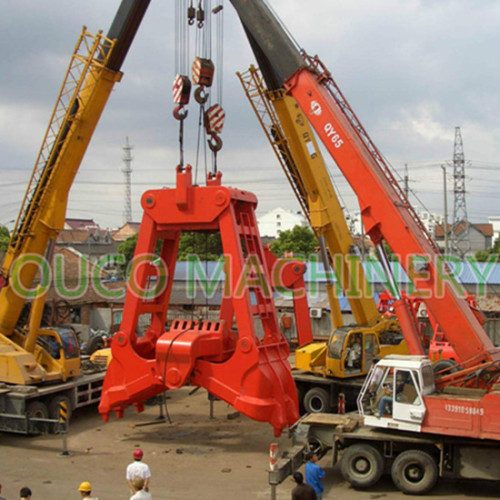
37	409
361	465
414	472
317	400
94	344
301	391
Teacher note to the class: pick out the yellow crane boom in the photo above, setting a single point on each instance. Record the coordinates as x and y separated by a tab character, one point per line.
93	70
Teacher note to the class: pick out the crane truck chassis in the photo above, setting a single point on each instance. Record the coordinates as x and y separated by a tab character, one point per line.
34	409
368	444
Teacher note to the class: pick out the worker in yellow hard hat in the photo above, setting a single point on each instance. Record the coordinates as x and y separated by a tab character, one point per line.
85	490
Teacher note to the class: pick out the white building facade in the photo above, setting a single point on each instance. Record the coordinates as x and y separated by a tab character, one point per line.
273	222
494	220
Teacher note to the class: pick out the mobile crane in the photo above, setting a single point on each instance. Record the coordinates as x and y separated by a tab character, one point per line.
334	373
430	425
50	375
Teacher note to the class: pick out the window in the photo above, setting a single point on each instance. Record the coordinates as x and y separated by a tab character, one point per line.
406	392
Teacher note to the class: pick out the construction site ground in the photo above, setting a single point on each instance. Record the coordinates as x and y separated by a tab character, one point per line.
194	457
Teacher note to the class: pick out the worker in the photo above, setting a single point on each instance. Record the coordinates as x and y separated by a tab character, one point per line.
376	377
314	475
85	490
138	469
139	493
25	493
385	405
354	353
302	491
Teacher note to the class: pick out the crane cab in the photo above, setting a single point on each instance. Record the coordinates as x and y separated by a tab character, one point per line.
393	393
62	345
350	351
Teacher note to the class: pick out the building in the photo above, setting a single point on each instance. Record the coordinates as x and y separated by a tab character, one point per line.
429	219
480	236
126	231
273	222
80	224
494	220
93	243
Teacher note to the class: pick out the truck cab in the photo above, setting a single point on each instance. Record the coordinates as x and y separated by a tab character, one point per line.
393	393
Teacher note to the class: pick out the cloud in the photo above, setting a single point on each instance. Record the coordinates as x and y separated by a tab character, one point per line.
411	69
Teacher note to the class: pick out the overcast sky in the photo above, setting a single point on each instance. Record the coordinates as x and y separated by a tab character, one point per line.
412	71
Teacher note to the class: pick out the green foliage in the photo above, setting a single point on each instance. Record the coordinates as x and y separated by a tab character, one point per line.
484	255
207	246
127	248
300	240
4	238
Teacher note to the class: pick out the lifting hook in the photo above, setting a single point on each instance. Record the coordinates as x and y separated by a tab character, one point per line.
180	113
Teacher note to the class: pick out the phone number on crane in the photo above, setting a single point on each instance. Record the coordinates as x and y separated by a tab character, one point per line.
466	410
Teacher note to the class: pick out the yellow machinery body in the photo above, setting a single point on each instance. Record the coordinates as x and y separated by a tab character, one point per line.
25	354
350	350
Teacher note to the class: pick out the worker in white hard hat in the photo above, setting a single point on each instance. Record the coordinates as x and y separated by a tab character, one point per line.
85	490
138	469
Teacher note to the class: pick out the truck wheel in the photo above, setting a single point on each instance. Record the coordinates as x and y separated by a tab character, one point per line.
54	406
300	397
414	472
361	465
37	409
317	400
94	344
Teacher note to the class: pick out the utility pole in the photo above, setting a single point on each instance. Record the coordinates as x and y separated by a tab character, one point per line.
460	227
445	221
407	180
127	170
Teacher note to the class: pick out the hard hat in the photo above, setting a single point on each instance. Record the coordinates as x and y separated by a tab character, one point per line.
138	454
85	486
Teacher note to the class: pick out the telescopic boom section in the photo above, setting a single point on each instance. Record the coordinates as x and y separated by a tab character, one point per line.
92	73
386	213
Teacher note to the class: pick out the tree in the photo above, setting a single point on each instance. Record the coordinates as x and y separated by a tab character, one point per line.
300	240
207	246
127	249
4	238
484	255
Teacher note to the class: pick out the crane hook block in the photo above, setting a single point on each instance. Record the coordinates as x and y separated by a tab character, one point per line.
200	17
215	143
200	96
191	14
202	72
181	89
180	113
214	119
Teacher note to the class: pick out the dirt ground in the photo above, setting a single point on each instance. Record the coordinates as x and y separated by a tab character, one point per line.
192	458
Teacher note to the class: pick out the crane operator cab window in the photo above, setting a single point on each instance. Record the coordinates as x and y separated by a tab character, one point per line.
52	345
353	355
69	343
